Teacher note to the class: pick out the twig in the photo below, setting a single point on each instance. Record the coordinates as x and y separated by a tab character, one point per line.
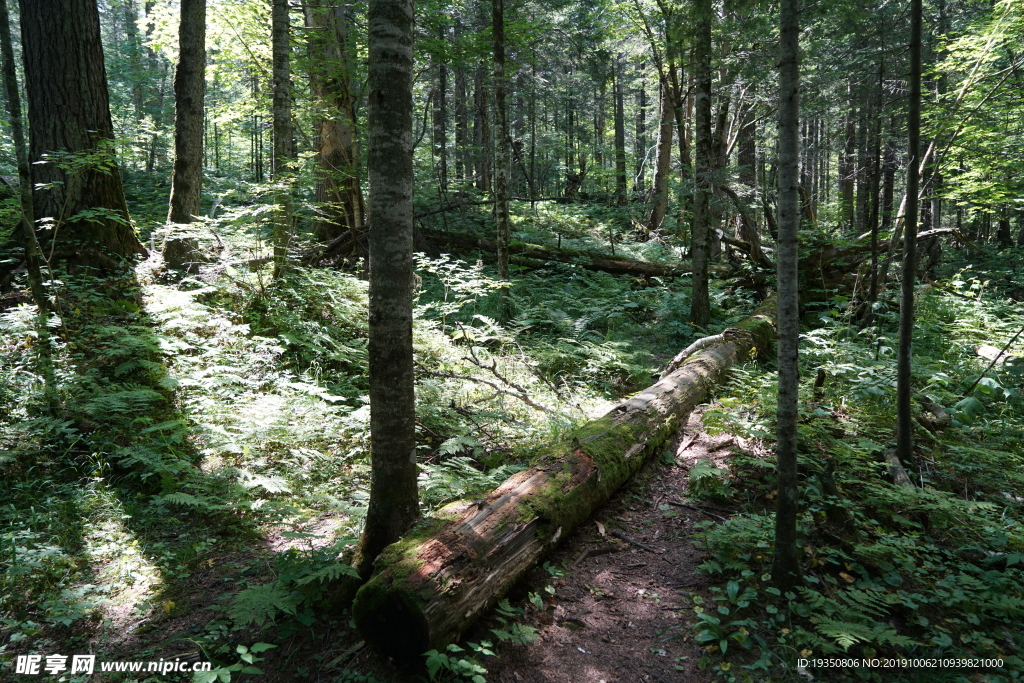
697	509
594	552
346	654
638	544
469	378
990	365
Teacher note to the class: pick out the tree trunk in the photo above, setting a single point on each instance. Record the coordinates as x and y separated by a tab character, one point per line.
620	138
441	576
394	499
189	96
660	190
33	259
441	115
332	75
69	113
283	148
481	134
700	306
904	389
501	160
786	561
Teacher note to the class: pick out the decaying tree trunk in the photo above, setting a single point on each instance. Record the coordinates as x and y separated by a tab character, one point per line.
430	586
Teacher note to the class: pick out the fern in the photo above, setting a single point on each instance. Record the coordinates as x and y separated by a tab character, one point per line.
329	573
259	604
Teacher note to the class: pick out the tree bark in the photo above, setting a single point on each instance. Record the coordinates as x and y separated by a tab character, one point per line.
394	501
441	113
620	137
283	148
904	351
33	257
189	99
501	156
660	189
786	561
700	306
440	577
332	77
69	114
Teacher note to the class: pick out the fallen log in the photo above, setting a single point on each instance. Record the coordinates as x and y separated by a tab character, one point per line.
450	568
591	260
528	254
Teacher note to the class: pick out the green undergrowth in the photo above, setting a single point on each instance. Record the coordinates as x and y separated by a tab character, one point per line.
188	456
932	572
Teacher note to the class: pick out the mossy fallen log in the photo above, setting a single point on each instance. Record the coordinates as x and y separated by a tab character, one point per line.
431	585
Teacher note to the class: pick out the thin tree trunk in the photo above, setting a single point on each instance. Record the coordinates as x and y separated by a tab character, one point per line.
700	306
69	113
283	148
904	389
189	98
394	499
620	138
786	562
33	256
501	160
848	161
441	116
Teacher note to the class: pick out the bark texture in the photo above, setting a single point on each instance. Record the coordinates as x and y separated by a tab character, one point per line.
283	149
32	252
501	156
332	77
786	561
189	97
904	390
394	502
435	582
700	305
69	113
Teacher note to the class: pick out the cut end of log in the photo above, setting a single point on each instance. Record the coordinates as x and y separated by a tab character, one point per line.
396	628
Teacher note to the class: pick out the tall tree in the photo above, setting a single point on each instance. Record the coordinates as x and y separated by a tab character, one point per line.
332	73
904	390
81	198
282	114
501	156
700	305
189	110
664	160
394	500
786	562
32	254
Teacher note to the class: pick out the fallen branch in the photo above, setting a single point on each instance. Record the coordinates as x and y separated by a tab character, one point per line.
992	364
638	544
712	515
430	586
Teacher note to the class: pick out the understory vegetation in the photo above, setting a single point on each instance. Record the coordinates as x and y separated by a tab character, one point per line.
200	481
933	570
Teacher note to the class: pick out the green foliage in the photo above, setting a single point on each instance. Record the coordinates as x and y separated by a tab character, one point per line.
929	571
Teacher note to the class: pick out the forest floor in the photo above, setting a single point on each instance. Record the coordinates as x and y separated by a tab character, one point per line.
610	612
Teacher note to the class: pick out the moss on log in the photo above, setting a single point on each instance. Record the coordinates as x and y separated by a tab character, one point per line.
430	586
